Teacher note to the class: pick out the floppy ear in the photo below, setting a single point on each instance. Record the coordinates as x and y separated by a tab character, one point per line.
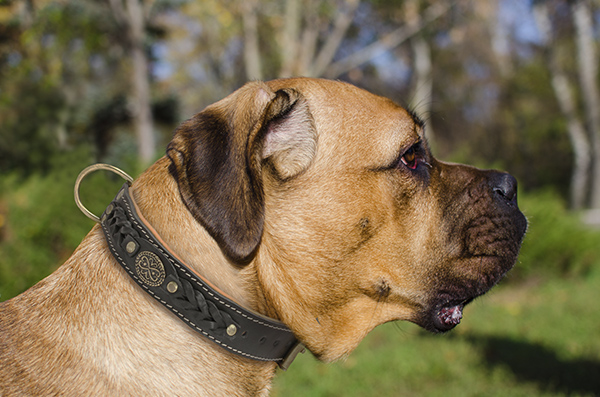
218	155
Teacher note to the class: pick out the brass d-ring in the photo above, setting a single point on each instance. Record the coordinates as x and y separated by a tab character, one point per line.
86	172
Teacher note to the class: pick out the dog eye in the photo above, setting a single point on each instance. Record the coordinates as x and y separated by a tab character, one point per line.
410	159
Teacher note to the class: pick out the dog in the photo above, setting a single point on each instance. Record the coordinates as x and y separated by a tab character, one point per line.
308	202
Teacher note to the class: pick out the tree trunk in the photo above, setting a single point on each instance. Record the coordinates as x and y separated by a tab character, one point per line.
566	102
588	72
500	42
27	13
310	36
130	15
387	42
421	100
579	141
341	24
251	47
289	38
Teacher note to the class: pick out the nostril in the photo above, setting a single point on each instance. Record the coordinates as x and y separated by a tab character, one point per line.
508	195
505	185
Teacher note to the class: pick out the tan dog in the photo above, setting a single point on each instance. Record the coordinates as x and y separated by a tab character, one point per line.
310	201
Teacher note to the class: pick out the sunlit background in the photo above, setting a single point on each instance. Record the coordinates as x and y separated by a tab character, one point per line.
508	84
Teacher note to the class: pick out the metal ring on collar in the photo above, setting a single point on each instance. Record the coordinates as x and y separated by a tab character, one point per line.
86	172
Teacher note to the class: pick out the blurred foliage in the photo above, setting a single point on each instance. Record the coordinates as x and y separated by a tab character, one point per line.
524	133
557	244
64	82
40	225
44	101
530	138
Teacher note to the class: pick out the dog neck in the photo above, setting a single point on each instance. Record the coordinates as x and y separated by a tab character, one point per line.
199	251
104	317
161	273
203	256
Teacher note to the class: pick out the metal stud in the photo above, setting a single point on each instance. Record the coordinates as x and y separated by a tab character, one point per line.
110	209
231	330
172	287
130	247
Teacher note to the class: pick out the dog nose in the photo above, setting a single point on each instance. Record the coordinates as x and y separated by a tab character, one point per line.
504	185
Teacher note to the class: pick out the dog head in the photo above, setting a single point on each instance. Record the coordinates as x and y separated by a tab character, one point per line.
330	198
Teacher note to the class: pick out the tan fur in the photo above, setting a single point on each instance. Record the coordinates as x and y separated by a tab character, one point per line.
340	243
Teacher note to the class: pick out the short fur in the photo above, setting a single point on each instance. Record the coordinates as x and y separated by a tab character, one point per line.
293	197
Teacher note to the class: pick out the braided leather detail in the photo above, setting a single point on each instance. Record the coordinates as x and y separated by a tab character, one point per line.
120	224
189	299
187	295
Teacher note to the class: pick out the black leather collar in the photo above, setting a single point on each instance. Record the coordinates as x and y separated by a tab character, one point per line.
158	272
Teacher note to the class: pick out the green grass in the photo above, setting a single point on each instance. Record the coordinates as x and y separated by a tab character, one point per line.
519	340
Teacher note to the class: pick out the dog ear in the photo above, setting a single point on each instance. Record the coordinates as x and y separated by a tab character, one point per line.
218	155
290	138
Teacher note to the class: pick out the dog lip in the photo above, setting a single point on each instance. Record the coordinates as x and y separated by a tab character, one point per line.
445	315
448	315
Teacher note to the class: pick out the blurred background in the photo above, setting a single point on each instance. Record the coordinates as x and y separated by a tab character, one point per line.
509	84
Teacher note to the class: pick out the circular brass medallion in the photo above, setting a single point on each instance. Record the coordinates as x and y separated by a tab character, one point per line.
149	268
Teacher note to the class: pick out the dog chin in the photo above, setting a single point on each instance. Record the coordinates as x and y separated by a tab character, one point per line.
446	307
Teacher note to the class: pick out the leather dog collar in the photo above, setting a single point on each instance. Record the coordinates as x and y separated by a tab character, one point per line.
188	295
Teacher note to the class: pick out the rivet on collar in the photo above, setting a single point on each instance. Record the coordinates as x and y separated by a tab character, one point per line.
172	287
231	330
130	247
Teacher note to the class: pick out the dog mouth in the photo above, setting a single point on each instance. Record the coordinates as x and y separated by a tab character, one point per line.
443	314
446	316
473	278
